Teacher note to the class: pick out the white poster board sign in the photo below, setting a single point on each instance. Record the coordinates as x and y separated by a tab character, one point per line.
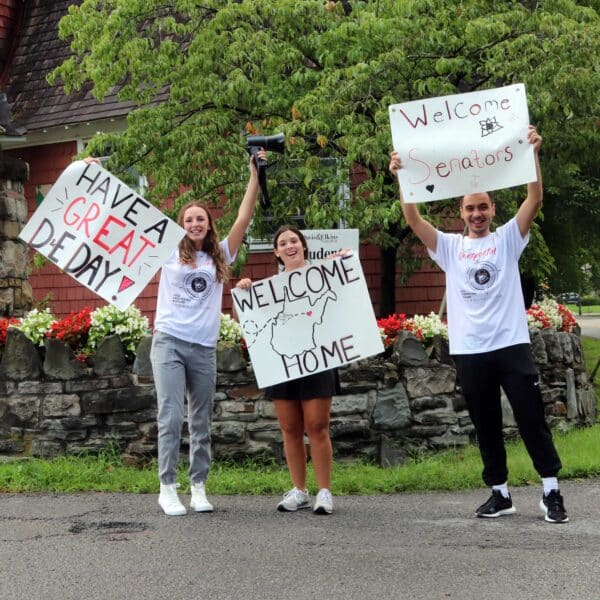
102	233
325	242
307	321
462	144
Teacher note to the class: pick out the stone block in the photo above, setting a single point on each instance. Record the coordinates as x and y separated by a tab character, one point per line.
227	432
230	357
23	410
230	410
85	385
409	351
61	405
42	448
431	402
567	347
429	381
60	362
538	348
142	366
118	400
110	357
349	405
392	451
440	416
391	410
356	428
39	387
553	345
20	359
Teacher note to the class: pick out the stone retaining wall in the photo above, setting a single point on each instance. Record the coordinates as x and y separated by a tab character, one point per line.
389	407
16	296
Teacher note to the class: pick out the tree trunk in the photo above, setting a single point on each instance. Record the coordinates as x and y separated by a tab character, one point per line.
387	292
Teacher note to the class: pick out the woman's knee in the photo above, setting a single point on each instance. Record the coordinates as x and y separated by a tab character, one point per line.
318	430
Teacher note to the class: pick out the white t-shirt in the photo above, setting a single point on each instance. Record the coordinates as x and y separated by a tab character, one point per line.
486	310
189	300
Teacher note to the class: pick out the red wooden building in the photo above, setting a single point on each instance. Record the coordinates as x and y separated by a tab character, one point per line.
58	127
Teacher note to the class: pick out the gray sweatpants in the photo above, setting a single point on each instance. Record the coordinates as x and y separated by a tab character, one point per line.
183	370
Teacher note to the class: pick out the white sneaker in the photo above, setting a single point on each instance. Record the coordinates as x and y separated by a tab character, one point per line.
293	500
199	502
324	502
169	501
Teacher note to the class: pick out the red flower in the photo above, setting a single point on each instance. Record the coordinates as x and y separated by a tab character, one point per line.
5	323
74	329
393	324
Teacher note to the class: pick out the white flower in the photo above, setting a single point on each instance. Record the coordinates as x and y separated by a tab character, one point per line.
130	325
35	324
230	330
430	326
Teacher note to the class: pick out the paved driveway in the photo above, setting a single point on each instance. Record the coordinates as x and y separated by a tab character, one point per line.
590	325
401	546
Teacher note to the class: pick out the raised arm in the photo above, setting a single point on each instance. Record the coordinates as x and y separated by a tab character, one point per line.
532	204
424	230
244	216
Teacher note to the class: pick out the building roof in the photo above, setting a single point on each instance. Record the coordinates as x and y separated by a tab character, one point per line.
36	52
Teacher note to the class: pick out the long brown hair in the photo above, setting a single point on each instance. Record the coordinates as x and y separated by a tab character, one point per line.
210	245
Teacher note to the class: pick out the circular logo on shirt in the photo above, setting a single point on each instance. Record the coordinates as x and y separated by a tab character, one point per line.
482	275
198	284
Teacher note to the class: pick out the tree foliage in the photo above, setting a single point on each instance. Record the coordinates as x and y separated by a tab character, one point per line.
206	74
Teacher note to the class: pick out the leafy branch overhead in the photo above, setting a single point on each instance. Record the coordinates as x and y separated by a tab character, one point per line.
205	75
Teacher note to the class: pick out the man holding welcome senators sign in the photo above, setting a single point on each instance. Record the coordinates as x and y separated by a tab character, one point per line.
489	340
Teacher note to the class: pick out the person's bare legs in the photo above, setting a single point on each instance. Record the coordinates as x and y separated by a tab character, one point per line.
316	424
290	417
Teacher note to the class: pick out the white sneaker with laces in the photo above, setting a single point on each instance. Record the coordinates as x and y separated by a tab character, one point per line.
169	501
293	500
324	502
199	502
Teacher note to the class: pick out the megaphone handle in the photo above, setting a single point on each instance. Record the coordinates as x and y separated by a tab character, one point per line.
265	201
258	161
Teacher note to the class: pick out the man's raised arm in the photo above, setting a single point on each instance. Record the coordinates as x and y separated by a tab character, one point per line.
424	230
532	204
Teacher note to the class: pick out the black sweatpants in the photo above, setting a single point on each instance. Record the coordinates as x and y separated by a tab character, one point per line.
513	369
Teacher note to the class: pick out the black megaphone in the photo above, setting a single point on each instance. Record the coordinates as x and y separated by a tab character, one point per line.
273	143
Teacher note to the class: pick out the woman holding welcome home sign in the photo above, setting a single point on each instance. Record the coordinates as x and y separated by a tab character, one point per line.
303	405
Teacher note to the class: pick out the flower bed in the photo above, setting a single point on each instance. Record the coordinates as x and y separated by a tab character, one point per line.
83	330
423	327
549	314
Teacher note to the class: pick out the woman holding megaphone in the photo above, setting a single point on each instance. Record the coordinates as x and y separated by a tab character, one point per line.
188	316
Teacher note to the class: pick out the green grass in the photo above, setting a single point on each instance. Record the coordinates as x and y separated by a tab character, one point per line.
585	310
451	470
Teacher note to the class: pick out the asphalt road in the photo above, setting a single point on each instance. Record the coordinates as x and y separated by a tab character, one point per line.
590	326
419	546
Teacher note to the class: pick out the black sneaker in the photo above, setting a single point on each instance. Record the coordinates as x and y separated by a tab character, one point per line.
496	506
553	506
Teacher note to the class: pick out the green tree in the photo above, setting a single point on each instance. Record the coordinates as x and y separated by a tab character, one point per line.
325	73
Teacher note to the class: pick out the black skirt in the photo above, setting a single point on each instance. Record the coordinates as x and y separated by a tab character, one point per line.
319	385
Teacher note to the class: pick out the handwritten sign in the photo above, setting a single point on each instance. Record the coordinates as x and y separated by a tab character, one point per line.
307	321
100	232
462	144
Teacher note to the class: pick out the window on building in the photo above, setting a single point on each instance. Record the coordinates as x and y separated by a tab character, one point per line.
289	181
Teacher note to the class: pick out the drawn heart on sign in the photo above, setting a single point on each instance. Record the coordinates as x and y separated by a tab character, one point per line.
430	187
309	313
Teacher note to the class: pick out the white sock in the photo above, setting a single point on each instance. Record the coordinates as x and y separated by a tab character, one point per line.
549	483
502	488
